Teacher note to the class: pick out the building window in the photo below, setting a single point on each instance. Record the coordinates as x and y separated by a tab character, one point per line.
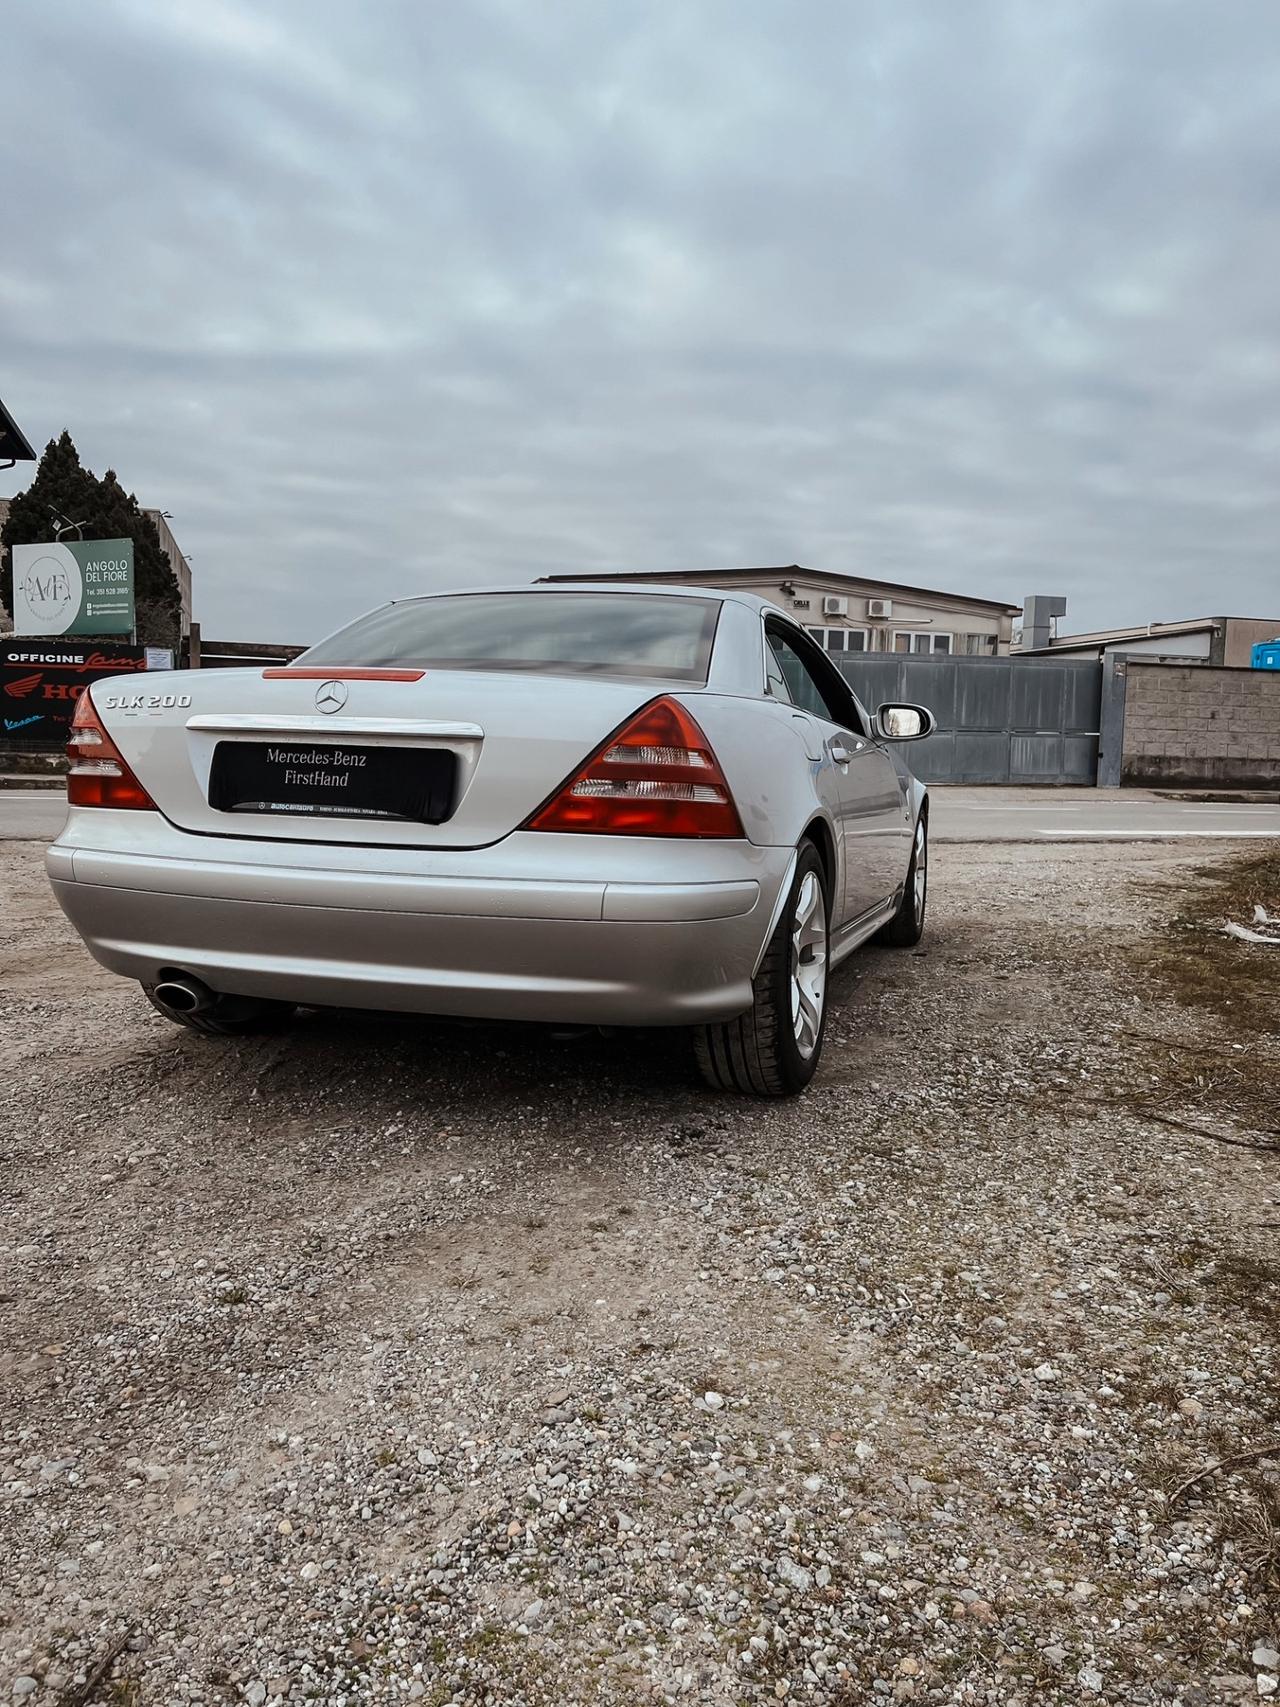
920	640
842	639
976	645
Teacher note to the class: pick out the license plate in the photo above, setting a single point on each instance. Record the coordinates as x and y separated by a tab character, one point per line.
338	781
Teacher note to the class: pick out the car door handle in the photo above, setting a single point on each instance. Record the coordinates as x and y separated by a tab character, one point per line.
842	754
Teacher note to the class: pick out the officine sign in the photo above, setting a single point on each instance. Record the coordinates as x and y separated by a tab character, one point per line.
41	680
79	586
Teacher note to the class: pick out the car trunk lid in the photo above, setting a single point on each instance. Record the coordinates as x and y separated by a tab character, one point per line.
425	758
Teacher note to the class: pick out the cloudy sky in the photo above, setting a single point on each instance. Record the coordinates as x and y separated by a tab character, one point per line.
380	298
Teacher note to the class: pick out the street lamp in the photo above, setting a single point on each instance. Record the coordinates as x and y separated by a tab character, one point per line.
61	525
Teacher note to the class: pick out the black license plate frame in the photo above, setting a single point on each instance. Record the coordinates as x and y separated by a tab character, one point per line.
332	779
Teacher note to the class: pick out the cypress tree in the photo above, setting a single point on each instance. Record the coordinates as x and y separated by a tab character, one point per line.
63	485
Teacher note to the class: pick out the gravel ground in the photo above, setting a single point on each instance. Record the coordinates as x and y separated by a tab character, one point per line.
386	1362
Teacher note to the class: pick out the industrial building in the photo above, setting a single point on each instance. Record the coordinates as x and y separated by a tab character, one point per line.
1223	640
853	613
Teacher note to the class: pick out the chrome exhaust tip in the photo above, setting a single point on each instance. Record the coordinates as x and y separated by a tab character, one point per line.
183	995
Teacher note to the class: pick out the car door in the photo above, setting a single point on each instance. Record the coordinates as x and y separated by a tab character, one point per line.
857	779
887	821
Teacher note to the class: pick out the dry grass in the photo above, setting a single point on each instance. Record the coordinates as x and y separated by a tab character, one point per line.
1229	1072
1255	1530
1202	968
1221	1081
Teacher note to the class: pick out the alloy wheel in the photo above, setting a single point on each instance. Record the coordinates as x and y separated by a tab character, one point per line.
922	870
808	964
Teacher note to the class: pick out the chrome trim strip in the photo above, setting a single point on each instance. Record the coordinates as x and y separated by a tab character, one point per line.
349	728
855	934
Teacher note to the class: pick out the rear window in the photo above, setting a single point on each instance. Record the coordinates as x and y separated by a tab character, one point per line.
630	634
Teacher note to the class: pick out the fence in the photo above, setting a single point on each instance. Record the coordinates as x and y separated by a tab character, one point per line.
235	654
1011	720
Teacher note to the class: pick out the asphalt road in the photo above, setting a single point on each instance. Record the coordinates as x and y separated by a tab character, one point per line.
1090	814
959	815
31	814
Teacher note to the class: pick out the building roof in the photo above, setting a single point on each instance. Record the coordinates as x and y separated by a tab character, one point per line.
1140	631
718	577
14	444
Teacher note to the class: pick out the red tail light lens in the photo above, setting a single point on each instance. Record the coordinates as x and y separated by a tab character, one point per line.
98	775
657	776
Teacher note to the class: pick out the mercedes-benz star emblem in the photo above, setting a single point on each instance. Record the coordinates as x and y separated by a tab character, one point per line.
331	696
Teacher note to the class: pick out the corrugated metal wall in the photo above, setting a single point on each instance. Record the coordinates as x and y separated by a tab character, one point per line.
1014	720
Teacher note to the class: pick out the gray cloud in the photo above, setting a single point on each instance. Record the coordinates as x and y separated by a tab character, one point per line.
978	296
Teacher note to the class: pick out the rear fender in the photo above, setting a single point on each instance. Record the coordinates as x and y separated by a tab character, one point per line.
760	745
779	907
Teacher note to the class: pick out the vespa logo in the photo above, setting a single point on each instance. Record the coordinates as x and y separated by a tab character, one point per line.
331	696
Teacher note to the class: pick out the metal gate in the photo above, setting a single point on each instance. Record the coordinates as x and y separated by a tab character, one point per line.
1015	720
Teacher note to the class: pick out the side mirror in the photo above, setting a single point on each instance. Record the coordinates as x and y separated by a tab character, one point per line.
904	723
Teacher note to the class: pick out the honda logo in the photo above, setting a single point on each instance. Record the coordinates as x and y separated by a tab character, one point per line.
331	696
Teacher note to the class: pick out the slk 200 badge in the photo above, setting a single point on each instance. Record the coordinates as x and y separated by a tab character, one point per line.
146	701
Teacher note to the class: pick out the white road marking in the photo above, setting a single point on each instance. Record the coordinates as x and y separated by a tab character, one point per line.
1156	833
1221	811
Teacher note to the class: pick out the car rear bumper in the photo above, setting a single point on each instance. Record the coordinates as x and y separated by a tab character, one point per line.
630	935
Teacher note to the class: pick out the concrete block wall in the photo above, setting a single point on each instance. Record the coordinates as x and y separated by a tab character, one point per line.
1200	726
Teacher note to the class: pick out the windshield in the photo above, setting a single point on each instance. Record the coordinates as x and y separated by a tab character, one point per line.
630	634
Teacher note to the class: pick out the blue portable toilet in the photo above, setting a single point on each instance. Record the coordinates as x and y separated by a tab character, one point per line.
1266	654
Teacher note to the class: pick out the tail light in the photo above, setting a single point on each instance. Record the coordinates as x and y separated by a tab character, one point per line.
656	776
98	774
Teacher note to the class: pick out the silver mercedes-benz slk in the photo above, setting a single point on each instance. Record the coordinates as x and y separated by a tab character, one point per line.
586	805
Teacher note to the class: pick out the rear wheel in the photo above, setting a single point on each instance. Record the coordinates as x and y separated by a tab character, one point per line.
906	927
773	1049
230	1016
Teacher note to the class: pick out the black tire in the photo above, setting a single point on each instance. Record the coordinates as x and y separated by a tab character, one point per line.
906	927
232	1016
760	1053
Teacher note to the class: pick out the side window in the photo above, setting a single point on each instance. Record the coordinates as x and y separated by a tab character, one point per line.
803	675
774	678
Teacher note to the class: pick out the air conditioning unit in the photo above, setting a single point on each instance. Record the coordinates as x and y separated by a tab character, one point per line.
835	607
880	607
